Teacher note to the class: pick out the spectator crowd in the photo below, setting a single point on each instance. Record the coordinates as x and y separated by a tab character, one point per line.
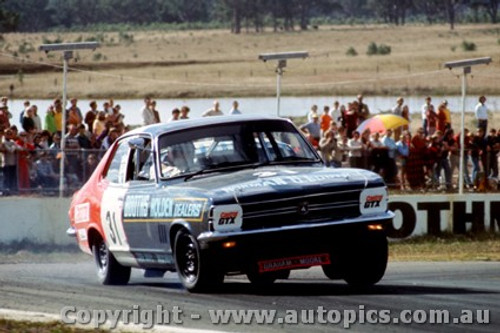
30	156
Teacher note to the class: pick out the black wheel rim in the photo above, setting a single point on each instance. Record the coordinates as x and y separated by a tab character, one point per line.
187	258
102	256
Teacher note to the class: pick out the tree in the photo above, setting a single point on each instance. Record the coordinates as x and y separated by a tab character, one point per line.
492	9
432	9
451	8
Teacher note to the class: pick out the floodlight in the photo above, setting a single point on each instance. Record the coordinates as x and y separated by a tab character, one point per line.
467	62
283	55
68	46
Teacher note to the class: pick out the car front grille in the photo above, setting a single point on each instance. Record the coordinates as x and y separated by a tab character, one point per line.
298	210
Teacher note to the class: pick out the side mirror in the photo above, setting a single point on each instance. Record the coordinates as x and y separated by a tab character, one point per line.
137	143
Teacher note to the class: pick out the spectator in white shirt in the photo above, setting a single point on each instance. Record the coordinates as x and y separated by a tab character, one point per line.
481	112
148	116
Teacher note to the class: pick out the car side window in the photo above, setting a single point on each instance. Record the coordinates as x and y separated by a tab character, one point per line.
117	169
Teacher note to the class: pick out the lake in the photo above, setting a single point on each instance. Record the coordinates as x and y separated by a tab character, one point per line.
290	106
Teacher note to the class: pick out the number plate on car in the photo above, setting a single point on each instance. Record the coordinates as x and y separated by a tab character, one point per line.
294	262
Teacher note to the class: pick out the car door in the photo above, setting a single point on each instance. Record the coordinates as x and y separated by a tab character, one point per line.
112	202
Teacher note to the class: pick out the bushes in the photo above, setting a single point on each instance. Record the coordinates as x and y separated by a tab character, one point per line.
381	49
351	52
468	46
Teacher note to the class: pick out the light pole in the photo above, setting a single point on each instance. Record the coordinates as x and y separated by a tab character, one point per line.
281	57
466	66
67	49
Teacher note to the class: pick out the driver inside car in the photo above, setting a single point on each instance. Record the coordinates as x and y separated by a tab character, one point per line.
178	160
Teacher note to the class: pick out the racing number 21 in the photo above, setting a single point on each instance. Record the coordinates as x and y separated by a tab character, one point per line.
113	228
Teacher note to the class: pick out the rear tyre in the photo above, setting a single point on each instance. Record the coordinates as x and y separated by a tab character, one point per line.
109	271
193	267
364	264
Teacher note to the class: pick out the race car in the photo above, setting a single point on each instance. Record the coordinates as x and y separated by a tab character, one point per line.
229	195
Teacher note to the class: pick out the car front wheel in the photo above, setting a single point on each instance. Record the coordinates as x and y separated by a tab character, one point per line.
365	264
109	271
193	267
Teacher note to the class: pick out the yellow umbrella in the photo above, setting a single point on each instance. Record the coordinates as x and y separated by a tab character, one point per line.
381	123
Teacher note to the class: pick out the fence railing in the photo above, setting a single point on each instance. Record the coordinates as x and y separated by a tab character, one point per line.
37	172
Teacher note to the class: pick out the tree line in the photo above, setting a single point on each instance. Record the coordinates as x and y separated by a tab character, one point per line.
238	15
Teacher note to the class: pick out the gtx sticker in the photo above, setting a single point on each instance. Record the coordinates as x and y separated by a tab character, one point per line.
227	218
373	201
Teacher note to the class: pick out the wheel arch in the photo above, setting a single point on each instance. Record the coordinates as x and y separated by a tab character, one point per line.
174	229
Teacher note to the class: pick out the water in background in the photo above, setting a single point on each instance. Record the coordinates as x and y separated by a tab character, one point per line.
290	106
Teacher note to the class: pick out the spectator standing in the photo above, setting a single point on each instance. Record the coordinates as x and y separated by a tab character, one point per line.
425	111
213	111
325	119
46	176
328	147
26	106
442	160
403	152
355	147
398	111
9	162
156	113
351	118
363	111
91	116
117	117
23	160
454	156
416	160
184	112
493	146
481	113
478	155
58	115
234	110
312	113
50	120
74	114
28	124
337	113
176	113
74	106
36	118
447	113
4	117
99	123
441	118
148	116
390	170
312	130
431	118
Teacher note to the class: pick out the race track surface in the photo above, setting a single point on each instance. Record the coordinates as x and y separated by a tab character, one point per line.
409	291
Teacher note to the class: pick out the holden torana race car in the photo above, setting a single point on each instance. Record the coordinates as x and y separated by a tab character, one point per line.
228	195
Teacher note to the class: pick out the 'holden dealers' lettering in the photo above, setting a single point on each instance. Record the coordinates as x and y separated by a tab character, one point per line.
141	208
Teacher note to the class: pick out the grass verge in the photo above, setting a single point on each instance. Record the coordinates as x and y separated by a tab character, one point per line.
447	247
14	326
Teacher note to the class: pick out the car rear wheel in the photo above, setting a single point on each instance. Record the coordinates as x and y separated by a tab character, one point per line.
193	267
109	271
364	263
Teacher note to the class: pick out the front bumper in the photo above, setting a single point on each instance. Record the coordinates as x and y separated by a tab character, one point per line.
250	247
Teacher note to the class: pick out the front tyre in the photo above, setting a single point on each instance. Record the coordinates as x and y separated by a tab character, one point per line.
365	264
193	266
109	271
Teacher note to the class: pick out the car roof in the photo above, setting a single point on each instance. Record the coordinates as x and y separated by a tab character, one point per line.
157	129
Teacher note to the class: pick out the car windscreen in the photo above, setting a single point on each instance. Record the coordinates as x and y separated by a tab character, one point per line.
228	146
